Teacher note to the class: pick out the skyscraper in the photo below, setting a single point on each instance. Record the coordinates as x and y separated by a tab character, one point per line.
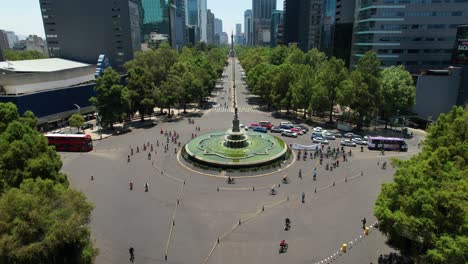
218	26
197	17
261	12
276	21
417	34
248	27
343	33
210	28
156	18
4	40
302	23
327	26
12	38
203	16
82	30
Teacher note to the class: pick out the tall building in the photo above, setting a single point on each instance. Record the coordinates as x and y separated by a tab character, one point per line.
239	37
196	16
218	26
181	36
203	22
238	29
248	27
4	40
223	38
261	12
12	38
302	23
210	28
276	21
417	34
82	30
343	33
327	26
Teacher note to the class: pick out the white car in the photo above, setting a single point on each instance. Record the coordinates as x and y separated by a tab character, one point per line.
320	140
347	143
289	133
359	141
317	129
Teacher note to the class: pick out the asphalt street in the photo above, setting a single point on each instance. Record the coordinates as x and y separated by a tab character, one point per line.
184	212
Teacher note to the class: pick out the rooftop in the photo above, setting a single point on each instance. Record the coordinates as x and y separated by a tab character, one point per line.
40	65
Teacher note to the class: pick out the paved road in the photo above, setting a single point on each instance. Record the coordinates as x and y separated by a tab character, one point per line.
124	217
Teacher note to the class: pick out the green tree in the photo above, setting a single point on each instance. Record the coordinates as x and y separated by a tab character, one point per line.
141	91
398	91
282	77
29	119
111	100
330	83
13	55
424	211
315	59
366	80
301	88
279	55
8	113
45	222
76	120
295	56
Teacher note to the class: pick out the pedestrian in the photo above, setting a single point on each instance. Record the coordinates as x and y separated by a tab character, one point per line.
146	186
92	177
364	223
132	254
303	197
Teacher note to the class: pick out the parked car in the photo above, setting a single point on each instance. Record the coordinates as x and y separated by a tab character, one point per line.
329	136
337	134
304	128
251	126
260	129
287	125
320	140
276	129
297	130
289	133
317	129
359	141
315	134
348	143
350	135
266	124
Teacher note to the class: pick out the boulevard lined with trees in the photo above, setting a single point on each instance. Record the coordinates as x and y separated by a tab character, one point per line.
160	78
287	79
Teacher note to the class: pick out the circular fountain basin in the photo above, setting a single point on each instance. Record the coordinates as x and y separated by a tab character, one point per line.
229	149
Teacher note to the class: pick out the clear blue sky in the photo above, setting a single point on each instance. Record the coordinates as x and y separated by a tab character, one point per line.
24	16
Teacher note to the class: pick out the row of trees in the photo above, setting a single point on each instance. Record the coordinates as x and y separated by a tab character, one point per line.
287	78
160	78
13	55
42	220
424	212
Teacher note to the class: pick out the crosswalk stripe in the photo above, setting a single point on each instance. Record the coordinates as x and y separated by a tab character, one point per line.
230	109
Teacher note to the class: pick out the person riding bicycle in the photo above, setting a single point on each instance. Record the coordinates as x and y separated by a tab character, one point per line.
300	173
132	254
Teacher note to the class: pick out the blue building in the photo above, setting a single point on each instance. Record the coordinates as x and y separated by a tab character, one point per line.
53	89
276	22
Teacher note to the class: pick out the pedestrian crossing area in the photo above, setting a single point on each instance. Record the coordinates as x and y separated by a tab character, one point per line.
230	109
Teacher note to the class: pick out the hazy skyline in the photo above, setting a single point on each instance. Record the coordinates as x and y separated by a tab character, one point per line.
24	16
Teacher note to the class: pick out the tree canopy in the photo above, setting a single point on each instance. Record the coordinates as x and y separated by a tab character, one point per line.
424	211
285	77
41	219
76	120
13	55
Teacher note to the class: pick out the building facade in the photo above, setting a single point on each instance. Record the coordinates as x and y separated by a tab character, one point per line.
196	16
276	21
261	13
248	27
327	26
418	34
12	38
4	40
302	23
343	33
218	26
112	28
210	28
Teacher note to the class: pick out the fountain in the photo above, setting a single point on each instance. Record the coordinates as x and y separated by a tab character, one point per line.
235	148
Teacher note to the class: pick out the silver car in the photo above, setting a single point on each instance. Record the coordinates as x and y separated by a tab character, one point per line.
347	143
320	140
328	136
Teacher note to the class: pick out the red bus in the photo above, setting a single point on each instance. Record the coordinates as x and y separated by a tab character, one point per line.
70	142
